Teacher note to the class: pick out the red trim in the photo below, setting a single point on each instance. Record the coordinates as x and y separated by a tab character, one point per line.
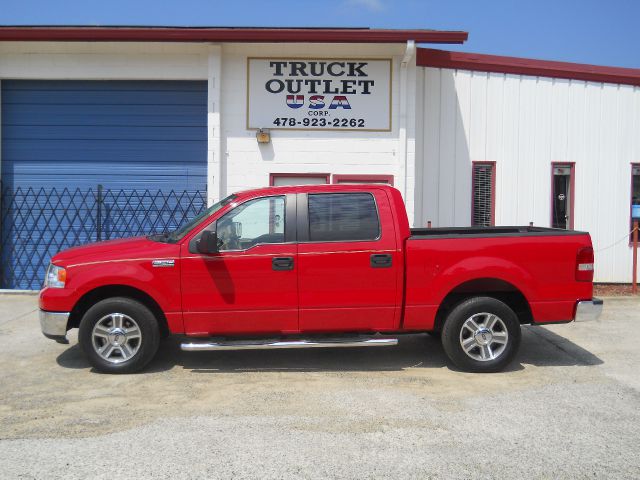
427	57
633	164
273	176
363	179
493	188
572	187
192	34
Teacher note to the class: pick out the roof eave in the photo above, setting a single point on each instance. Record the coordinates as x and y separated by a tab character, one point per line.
239	35
427	57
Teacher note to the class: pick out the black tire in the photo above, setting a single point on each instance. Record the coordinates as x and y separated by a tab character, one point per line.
145	347
454	333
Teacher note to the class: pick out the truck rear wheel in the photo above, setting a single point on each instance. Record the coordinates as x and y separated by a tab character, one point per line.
481	334
119	335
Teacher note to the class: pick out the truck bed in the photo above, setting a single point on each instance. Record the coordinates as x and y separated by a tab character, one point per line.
483	232
538	262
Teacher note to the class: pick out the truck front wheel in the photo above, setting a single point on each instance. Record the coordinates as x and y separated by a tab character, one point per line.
481	334
119	335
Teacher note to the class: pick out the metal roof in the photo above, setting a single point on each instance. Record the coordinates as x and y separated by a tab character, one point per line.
427	57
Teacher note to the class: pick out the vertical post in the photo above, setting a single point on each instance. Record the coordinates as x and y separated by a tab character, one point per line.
406	128
99	214
634	287
531	224
429	224
2	264
216	168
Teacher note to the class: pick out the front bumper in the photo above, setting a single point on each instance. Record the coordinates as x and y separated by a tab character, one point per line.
587	310
54	325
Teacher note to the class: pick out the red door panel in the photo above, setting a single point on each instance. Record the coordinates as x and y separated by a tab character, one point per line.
239	292
339	288
250	285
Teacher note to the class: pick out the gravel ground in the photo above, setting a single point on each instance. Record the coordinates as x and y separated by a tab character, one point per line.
568	407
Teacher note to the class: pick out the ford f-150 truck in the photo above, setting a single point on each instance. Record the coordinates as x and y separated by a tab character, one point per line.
317	266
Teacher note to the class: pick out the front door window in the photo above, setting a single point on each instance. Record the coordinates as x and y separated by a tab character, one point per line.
255	222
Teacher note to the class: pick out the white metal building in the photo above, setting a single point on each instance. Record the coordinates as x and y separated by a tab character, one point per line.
468	139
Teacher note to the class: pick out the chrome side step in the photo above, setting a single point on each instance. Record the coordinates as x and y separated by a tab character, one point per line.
297	343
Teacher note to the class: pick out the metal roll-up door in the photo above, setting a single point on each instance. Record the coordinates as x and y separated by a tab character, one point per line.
94	160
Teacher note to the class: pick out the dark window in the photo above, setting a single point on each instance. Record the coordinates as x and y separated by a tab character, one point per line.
562	199
636	185
483	194
343	216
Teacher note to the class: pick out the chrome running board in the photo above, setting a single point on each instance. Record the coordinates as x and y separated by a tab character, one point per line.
297	343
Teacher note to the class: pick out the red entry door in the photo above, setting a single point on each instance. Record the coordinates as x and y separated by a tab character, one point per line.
250	285
349	265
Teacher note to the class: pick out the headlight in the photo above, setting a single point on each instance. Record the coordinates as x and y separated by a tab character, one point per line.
56	277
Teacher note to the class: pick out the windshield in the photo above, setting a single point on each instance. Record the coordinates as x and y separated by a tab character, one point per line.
186	228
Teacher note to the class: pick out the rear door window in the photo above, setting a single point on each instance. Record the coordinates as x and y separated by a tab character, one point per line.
343	217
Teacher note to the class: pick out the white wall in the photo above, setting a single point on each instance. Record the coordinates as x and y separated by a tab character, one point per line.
247	164
103	61
234	158
524	123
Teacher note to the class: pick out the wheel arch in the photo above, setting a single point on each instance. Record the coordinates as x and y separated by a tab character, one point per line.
109	291
496	288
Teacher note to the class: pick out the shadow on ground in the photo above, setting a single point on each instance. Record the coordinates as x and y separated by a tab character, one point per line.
540	347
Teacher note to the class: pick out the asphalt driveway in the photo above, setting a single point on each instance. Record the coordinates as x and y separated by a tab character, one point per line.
568	407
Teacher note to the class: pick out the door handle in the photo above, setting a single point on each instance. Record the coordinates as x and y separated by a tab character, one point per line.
381	260
282	263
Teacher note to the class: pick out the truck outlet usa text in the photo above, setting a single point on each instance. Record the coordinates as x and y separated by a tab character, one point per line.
317	266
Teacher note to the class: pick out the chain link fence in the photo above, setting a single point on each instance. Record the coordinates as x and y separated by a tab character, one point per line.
36	223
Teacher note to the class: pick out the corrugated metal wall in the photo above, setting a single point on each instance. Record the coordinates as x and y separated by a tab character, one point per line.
524	124
122	134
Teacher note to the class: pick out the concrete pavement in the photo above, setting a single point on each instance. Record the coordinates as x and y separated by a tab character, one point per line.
568	407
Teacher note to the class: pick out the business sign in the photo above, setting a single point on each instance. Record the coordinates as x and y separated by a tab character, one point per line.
319	94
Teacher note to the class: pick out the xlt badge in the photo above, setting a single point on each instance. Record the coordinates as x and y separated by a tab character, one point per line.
163	263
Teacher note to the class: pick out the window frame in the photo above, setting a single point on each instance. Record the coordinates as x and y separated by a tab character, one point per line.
364	179
491	164
290	214
304	222
633	165
273	176
572	196
284	227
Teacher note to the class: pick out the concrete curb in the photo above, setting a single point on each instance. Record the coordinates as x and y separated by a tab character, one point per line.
19	292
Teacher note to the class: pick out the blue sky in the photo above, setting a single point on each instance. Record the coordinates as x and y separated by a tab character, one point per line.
586	31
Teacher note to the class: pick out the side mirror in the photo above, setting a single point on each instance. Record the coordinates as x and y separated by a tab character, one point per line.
208	242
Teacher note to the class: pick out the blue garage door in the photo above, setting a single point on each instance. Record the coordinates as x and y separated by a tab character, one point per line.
88	160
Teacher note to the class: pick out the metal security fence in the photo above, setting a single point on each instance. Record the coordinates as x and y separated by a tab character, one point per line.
36	223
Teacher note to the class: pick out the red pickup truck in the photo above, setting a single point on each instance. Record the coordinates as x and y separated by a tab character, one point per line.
317	266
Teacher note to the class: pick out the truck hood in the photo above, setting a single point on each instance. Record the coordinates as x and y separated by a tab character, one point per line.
121	249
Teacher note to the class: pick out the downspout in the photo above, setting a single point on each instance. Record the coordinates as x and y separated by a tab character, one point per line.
409	52
215	161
